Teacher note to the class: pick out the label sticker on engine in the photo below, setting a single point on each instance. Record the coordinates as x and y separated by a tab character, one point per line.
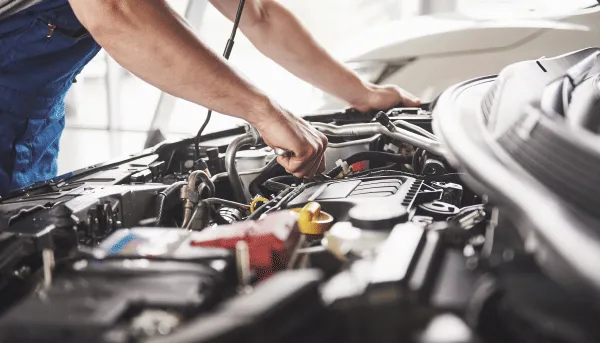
126	245
144	242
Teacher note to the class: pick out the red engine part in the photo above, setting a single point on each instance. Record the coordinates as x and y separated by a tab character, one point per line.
270	241
359	166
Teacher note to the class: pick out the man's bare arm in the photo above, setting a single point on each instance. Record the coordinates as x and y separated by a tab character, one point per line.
278	34
149	39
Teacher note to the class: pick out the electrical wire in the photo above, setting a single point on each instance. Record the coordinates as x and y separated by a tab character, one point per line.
226	54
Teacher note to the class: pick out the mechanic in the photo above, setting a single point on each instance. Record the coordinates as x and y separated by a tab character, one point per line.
44	44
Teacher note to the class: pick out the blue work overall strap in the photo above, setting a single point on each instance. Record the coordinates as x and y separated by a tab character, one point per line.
42	49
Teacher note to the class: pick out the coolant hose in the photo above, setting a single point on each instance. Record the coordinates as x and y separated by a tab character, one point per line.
371	156
248	139
162	199
218	177
271	170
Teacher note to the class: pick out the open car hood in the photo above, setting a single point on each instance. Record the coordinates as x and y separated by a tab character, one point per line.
432	35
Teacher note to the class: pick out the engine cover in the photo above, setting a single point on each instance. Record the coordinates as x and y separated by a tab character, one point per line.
338	197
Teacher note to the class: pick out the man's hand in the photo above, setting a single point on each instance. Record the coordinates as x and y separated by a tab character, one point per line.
385	96
286	131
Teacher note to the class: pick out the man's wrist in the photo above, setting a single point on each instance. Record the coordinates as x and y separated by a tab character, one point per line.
365	96
261	112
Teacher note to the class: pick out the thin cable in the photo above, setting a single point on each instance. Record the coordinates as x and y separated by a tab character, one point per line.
226	54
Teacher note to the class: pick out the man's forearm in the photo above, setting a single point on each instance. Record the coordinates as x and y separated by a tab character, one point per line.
150	40
281	37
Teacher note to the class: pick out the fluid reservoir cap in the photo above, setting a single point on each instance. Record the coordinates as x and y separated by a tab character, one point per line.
378	216
313	221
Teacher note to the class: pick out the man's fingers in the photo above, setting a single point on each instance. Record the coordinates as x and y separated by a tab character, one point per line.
324	140
318	166
408	99
310	166
317	158
299	168
287	164
322	166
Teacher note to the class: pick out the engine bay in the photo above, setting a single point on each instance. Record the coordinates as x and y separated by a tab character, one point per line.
398	243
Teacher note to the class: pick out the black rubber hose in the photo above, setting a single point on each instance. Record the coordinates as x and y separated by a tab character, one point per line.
162	199
371	156
272	169
249	139
275	187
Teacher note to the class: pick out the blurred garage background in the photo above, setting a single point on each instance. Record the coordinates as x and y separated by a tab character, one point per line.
111	111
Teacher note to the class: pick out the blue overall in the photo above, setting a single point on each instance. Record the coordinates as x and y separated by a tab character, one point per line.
42	49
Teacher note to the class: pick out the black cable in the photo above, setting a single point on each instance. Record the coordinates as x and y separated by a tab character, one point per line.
226	54
278	202
170	162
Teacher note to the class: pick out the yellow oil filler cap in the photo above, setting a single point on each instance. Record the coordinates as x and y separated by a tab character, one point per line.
313	221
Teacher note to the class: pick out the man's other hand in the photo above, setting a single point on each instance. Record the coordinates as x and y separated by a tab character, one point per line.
382	97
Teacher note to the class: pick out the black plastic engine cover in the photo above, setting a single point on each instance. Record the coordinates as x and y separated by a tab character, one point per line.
338	197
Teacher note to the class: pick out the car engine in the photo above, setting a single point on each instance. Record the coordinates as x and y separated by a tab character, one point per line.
401	241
